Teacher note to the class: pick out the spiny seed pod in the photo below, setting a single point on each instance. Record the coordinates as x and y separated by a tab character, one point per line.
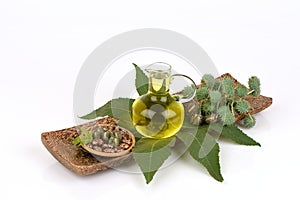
254	85
217	85
228	86
242	106
207	108
249	121
241	91
230	119
215	97
208	80
196	119
188	91
202	93
226	115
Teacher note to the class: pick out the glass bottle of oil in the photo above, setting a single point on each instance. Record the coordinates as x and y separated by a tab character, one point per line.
157	114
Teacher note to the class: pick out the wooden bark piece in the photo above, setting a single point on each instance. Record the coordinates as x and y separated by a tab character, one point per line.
59	144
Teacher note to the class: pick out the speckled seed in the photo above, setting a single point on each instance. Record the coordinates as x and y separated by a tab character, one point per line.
111	127
108	150
99	141
94	142
126	136
124	145
126	141
97	148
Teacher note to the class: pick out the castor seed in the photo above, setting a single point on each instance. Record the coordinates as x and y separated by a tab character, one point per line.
124	145
97	148
109	150
94	142
111	127
99	141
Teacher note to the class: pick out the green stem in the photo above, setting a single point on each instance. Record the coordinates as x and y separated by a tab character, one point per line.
232	107
250	117
250	92
219	87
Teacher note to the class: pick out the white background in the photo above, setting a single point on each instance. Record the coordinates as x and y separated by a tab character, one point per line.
44	43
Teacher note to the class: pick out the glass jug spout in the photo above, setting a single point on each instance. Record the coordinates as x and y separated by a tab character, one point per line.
159	78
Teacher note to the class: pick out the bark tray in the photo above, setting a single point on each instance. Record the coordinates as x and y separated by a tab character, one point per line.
79	161
59	143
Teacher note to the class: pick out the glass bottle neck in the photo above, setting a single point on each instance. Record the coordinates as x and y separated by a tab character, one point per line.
159	83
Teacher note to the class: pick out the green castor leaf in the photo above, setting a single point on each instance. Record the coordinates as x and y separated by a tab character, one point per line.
215	97
235	134
241	91
141	80
204	149
202	93
242	106
228	86
151	153
226	115
208	80
249	121
84	138
254	85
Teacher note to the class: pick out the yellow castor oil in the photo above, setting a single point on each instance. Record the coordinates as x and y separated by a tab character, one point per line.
157	114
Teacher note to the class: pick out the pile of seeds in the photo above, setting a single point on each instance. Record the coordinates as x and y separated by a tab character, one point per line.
109	138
